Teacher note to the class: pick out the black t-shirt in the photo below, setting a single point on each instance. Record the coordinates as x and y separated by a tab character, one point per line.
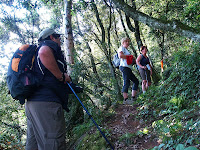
144	61
50	89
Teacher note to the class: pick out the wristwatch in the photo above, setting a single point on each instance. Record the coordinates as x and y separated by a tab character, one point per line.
62	78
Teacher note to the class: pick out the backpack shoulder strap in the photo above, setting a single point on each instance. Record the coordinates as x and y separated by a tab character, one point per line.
39	65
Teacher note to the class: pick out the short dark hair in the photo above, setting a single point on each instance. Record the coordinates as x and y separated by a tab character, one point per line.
142	47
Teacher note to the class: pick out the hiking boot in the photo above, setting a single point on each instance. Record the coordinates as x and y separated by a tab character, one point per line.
127	102
133	98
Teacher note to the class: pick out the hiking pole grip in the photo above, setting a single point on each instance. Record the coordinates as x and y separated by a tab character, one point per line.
90	116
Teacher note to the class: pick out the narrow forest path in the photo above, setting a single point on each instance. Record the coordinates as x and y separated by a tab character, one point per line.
124	128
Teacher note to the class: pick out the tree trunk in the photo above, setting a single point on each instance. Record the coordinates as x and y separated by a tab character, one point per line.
68	36
76	110
107	53
116	37
131	45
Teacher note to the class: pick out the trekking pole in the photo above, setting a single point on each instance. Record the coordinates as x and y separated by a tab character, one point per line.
91	117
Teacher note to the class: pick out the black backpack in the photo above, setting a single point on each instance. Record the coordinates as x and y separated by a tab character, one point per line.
21	79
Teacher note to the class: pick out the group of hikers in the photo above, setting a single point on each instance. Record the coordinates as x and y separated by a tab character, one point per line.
126	62
46	129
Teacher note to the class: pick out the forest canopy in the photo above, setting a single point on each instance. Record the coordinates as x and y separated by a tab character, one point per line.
92	32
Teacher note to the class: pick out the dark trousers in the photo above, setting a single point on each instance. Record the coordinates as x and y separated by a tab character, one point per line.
128	76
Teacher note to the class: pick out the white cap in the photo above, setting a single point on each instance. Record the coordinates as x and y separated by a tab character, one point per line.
46	32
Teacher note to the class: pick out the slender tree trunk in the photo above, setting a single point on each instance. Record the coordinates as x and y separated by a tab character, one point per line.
68	36
137	29
107	53
76	110
131	45
116	37
98	79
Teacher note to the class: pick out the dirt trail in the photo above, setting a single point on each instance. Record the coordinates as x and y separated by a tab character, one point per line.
124	122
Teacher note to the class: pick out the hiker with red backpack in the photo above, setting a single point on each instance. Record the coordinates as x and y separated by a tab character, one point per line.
145	68
126	64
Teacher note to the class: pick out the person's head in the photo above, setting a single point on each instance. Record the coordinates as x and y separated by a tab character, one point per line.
49	34
125	42
143	49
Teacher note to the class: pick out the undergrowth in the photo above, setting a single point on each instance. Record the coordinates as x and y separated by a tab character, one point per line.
173	106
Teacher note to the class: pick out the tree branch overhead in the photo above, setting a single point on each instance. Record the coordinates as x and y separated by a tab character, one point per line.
171	26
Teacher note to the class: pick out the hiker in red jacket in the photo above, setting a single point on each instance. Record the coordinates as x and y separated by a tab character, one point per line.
126	62
145	68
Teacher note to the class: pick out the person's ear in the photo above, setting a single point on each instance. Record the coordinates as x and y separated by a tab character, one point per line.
51	37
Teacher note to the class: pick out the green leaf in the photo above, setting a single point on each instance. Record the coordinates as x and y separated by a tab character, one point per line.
180	147
160	146
191	148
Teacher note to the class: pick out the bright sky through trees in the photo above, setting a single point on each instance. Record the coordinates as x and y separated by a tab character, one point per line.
8	49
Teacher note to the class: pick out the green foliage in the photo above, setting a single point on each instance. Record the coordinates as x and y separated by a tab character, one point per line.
56	7
92	141
178	147
81	129
128	138
191	13
3	35
173	106
12	123
20	21
181	147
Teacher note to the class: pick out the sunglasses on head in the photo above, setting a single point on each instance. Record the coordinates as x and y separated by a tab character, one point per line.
56	36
